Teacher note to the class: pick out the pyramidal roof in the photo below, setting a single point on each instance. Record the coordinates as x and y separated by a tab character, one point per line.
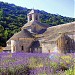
22	34
28	24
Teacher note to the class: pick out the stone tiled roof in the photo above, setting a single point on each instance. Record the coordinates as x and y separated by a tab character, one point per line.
35	23
54	32
22	34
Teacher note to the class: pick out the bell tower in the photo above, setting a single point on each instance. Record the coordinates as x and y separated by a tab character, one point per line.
33	15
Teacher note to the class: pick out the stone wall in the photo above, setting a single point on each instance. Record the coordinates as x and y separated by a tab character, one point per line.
21	45
49	47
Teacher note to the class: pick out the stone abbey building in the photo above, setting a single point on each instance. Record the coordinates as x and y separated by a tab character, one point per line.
37	37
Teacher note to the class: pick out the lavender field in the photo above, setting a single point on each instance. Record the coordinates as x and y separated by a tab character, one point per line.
37	64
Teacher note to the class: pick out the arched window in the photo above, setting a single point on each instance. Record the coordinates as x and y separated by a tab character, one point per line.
36	17
49	51
14	48
30	17
22	48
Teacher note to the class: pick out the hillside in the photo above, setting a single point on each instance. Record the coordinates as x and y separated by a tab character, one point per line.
13	17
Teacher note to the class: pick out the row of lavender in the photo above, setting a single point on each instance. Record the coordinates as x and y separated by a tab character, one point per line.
35	63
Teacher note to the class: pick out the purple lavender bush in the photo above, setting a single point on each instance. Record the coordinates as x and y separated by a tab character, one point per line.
36	64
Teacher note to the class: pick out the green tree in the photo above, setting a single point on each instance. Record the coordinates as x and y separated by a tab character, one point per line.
1	13
6	34
1	30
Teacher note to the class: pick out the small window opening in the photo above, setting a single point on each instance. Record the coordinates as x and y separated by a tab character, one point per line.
36	17
22	48
30	17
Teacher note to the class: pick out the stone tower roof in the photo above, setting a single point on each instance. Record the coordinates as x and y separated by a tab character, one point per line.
29	24
22	34
33	20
